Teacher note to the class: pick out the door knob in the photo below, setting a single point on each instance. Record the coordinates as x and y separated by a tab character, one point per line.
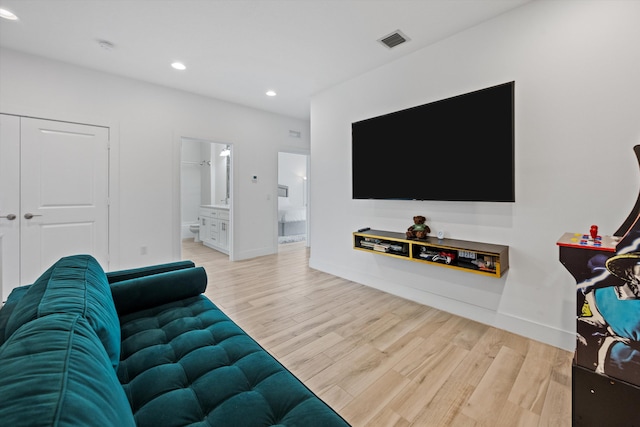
10	217
29	215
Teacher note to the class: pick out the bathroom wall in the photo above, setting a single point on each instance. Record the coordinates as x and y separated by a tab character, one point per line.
190	184
206	175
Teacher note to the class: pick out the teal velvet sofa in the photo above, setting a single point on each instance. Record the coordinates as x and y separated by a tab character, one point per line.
145	347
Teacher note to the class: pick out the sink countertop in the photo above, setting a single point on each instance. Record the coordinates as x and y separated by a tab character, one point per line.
215	206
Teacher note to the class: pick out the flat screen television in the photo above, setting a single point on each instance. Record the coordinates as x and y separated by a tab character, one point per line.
456	149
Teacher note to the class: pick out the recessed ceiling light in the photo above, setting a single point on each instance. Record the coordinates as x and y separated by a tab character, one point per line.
179	66
271	93
4	13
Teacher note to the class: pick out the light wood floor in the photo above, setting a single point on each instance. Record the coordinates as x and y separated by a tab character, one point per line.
380	360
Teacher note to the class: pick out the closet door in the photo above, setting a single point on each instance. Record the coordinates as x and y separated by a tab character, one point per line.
64	193
9	204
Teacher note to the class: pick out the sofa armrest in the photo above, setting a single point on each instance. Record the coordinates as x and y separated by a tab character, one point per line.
154	290
7	309
120	275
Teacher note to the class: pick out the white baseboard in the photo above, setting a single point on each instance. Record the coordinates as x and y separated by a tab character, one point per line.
238	256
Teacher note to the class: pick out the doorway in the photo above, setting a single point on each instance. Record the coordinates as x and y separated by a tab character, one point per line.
206	193
293	198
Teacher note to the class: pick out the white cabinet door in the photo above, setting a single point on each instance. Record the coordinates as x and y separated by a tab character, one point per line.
9	204
213	232
224	230
202	220
223	241
63	188
205	225
202	230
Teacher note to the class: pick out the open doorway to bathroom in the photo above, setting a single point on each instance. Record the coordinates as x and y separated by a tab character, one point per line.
293	198
205	193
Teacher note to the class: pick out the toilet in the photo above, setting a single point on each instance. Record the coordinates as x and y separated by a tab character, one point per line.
195	229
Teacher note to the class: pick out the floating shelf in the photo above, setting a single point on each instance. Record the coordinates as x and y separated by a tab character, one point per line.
473	257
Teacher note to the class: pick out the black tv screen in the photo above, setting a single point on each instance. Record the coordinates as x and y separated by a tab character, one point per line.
456	149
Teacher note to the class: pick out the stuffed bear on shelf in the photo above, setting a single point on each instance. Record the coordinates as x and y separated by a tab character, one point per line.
419	230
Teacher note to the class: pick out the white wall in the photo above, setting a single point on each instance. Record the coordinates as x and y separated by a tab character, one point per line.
148	121
576	69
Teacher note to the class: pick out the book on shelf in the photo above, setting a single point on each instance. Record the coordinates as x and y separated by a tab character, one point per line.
381	247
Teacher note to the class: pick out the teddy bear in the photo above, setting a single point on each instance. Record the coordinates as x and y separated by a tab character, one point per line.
419	229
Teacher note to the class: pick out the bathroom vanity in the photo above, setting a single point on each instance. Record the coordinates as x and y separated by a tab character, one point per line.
214	227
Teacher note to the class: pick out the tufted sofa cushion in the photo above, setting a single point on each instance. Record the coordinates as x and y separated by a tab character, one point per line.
54	371
75	284
187	363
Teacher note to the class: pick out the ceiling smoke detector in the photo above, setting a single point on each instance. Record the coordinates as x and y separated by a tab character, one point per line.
106	45
394	39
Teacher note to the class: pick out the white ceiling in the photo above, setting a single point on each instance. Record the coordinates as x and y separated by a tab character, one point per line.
237	50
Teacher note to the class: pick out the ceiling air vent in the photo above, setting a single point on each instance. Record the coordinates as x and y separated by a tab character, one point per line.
394	39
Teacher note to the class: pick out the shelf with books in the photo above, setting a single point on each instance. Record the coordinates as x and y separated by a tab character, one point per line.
474	257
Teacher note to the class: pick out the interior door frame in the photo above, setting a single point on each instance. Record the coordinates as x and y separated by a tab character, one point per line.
10	204
113	221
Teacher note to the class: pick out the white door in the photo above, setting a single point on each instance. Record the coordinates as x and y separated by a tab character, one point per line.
9	204
63	190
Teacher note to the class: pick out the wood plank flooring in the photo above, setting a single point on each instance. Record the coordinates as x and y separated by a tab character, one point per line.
380	360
